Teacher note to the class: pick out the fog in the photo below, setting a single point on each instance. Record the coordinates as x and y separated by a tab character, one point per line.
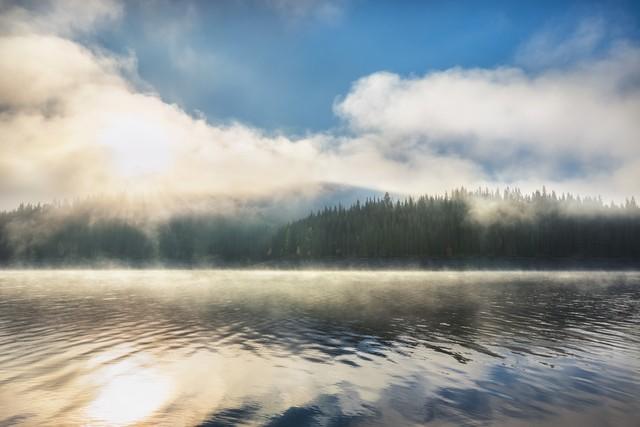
335	226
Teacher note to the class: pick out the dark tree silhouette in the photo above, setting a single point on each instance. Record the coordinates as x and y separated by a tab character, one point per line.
458	225
467	224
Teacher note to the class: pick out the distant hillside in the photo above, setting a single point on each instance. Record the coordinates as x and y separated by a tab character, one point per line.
463	224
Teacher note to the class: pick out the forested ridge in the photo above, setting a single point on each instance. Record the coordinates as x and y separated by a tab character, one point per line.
457	225
467	224
42	235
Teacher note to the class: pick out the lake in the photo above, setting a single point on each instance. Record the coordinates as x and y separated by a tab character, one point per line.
314	348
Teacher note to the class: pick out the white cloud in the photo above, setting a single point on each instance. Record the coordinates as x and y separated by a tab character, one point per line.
73	124
38	70
63	17
504	118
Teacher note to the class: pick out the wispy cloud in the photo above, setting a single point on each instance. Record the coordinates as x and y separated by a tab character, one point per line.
552	46
297	10
62	17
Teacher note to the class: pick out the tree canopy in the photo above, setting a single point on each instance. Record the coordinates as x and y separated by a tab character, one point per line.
460	224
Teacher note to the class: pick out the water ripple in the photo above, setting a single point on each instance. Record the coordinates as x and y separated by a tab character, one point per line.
221	348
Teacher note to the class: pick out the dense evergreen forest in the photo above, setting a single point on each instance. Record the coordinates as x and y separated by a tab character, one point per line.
458	225
46	234
463	224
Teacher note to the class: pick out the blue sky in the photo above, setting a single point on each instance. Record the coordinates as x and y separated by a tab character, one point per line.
275	68
268	97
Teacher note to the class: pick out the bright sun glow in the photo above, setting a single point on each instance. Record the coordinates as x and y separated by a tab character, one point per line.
129	397
139	146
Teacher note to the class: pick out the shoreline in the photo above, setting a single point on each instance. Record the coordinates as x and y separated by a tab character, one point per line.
364	264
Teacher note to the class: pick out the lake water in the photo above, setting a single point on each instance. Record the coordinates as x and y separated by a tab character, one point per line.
225	348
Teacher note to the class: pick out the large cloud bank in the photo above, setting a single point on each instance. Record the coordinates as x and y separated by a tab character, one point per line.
76	120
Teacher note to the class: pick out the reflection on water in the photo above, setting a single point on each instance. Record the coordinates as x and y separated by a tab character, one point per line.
224	348
128	394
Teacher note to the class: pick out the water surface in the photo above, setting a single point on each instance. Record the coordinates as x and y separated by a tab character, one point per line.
225	348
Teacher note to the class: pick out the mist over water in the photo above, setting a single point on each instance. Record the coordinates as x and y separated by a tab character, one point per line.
224	348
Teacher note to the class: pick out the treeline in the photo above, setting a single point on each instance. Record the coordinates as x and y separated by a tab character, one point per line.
458	225
50	235
463	224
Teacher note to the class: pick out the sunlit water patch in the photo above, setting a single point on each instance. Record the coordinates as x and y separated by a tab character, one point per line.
225	348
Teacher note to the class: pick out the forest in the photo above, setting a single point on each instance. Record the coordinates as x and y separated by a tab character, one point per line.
462	225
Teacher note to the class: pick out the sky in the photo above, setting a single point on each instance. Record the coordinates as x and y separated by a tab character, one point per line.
250	97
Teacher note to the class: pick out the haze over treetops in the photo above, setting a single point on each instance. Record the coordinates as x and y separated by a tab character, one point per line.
463	225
